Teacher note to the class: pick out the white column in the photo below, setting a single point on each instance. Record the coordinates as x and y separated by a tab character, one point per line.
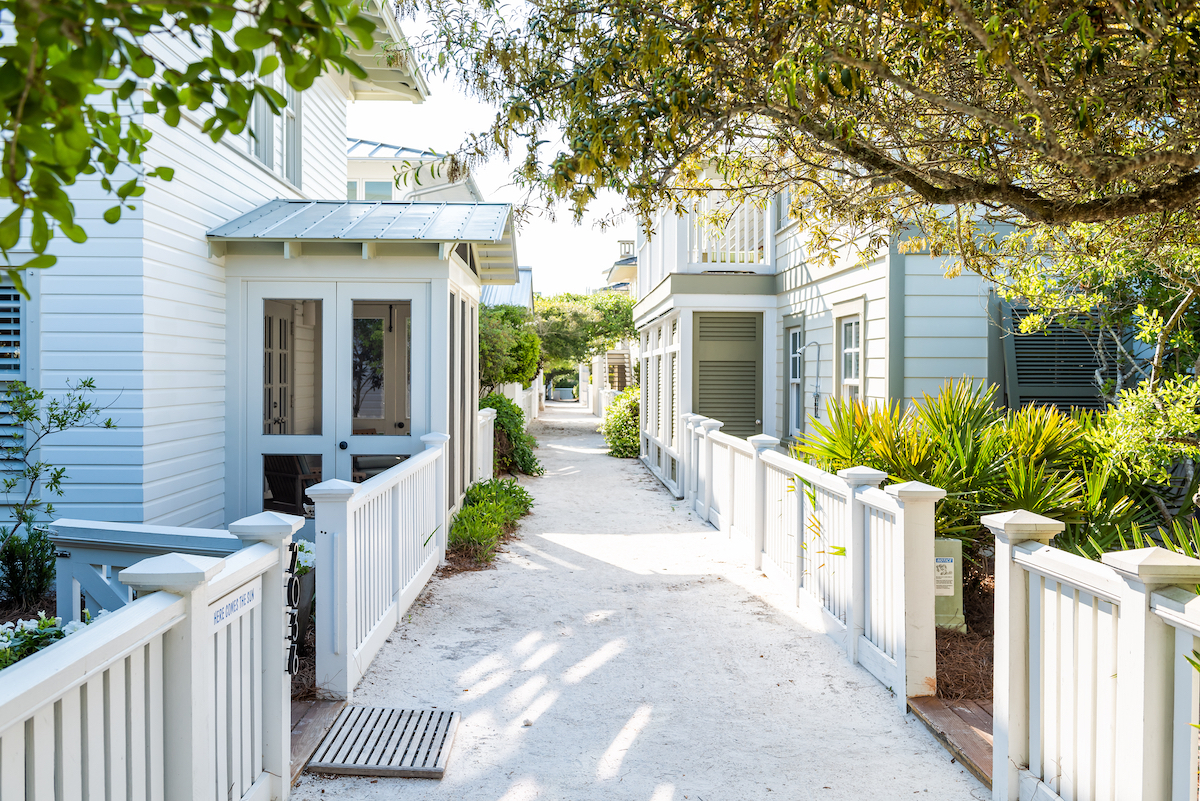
920	619
334	614
688	456
708	426
487	444
760	442
1146	670
1010	685
857	477
438	442
276	530
189	683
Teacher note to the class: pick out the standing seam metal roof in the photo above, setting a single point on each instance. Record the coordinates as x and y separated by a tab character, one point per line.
363	220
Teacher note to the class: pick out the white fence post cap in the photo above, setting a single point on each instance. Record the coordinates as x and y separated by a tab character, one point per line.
487	412
862	475
1020	525
710	424
436	440
266	527
763	442
1154	566
332	489
915	491
174	572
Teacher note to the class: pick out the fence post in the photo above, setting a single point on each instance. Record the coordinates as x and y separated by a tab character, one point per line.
438	441
920	619
709	427
189	680
276	530
1146	670
487	444
688	451
1010	685
856	478
760	443
335	614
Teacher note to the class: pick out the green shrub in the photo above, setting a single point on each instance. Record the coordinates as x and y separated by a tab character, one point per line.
490	510
513	446
509	348
620	426
26	567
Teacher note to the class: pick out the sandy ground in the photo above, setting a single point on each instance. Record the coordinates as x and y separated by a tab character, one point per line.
621	650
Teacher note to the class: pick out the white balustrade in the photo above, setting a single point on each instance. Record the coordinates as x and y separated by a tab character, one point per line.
180	694
720	235
861	558
381	541
1095	697
485	443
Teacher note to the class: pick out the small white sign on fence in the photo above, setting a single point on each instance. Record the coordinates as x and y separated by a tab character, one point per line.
237	603
943	575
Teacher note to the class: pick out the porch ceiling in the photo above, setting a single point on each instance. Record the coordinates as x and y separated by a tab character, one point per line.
487	226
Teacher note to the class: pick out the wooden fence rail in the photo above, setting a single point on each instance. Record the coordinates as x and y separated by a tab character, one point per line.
859	557
179	694
378	543
1095	696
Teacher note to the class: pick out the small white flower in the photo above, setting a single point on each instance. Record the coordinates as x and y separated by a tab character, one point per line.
73	626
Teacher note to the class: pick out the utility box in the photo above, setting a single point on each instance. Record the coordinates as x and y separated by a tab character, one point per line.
948	583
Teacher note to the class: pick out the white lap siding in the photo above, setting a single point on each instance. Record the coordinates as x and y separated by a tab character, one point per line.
141	307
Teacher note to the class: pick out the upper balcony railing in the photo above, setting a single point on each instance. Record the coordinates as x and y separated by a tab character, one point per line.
713	236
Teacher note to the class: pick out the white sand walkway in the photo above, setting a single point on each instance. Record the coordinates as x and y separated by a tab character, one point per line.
651	664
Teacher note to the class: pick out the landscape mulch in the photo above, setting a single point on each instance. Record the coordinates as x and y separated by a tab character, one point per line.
964	659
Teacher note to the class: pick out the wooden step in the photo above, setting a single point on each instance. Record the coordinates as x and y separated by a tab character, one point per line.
310	721
963	727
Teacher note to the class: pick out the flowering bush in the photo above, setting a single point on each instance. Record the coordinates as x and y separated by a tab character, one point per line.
306	557
26	637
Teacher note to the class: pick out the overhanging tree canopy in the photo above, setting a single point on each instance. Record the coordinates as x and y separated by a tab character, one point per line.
1054	111
76	74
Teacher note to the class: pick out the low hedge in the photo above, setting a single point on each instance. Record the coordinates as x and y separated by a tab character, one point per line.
490	510
513	446
620	426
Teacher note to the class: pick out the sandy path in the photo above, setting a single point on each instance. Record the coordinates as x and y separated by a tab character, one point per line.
650	663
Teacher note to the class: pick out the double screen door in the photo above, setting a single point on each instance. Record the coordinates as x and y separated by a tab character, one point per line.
337	384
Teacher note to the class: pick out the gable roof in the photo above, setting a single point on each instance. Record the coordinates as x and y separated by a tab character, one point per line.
487	226
391	67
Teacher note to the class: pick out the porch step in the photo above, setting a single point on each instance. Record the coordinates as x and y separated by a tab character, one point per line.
963	727
310	721
379	741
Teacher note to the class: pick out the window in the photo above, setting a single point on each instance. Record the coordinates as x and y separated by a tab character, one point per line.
351	190
380	371
377	190
795	381
783	202
292	151
851	349
291	366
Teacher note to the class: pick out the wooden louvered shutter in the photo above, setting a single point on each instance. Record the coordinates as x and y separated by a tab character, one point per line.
1056	366
10	334
727	352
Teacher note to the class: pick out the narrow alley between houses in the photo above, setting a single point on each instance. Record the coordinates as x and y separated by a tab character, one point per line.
620	650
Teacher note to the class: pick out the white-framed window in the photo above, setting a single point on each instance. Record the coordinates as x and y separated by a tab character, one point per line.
783	203
262	133
351	190
377	190
795	381
292	150
850	347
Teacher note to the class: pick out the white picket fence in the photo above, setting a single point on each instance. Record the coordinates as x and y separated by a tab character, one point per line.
377	545
485	444
529	400
1095	697
861	558
179	694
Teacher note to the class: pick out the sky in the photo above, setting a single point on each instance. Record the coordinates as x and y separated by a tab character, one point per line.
565	257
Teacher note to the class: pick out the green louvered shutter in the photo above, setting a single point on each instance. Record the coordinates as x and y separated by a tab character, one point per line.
727	353
1056	366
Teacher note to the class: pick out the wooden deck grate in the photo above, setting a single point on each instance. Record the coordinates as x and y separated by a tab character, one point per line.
378	741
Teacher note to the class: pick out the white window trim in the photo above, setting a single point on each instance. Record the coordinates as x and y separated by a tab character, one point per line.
795	381
845	383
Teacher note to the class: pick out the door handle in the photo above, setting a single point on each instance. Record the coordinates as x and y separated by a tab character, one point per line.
343	445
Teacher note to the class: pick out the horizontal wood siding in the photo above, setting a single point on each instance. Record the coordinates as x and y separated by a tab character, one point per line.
813	291
141	308
946	326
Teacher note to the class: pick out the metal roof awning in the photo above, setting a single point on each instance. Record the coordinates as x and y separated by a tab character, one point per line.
487	226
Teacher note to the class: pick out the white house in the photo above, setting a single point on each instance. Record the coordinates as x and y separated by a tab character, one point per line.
378	171
252	329
736	325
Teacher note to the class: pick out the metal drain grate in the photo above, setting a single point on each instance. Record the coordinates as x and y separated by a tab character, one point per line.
378	741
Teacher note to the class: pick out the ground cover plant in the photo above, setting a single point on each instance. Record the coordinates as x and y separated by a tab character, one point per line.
22	638
514	445
490	512
620	426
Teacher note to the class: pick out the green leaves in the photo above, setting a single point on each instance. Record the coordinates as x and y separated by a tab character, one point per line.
75	76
